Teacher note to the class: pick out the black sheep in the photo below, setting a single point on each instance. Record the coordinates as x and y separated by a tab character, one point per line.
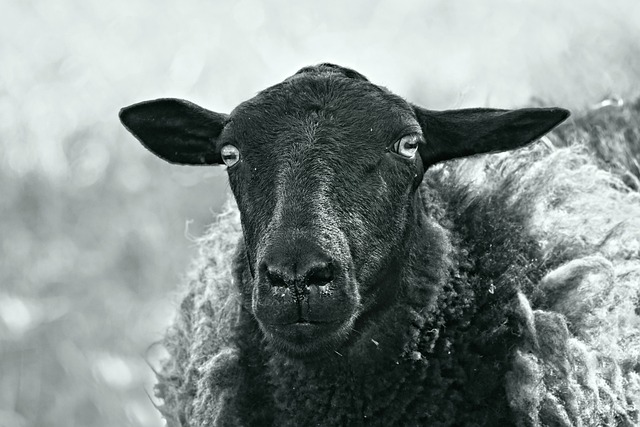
365	283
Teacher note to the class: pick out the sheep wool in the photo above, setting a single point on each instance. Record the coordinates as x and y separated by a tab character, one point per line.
536	321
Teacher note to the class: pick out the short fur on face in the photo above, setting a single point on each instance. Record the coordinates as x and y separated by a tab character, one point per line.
327	199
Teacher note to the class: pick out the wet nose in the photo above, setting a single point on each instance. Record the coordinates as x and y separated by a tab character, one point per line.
302	269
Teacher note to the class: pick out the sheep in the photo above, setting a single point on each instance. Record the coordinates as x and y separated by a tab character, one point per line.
375	270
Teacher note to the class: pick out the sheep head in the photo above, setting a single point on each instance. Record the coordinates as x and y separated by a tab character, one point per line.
324	168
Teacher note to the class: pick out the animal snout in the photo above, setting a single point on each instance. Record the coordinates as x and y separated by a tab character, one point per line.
303	297
298	268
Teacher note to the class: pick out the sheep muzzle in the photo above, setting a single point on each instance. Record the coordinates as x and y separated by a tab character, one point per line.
303	298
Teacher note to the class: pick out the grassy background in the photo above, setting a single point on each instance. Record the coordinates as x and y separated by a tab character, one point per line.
94	231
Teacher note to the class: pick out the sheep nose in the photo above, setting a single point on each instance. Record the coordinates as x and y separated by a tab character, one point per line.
307	269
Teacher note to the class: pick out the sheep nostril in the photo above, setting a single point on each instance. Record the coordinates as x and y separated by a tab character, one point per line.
274	278
319	275
301	271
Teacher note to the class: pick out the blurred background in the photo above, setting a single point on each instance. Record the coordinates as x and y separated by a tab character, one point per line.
96	233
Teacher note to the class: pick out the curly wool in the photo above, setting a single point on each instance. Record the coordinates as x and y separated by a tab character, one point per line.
613	135
578	363
537	324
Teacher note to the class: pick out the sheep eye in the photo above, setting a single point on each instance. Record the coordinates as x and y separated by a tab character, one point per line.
230	155
407	146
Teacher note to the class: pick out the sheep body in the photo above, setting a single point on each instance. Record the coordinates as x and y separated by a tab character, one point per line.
536	322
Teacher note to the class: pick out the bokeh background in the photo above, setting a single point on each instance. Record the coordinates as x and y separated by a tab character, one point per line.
96	233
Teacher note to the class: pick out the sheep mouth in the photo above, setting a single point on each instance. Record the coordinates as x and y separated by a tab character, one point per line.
303	339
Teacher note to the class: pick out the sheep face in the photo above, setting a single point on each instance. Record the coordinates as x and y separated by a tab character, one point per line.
324	168
324	180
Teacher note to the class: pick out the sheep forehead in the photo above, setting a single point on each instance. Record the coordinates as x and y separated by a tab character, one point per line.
327	107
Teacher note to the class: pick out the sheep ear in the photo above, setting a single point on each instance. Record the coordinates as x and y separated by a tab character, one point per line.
176	130
460	133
